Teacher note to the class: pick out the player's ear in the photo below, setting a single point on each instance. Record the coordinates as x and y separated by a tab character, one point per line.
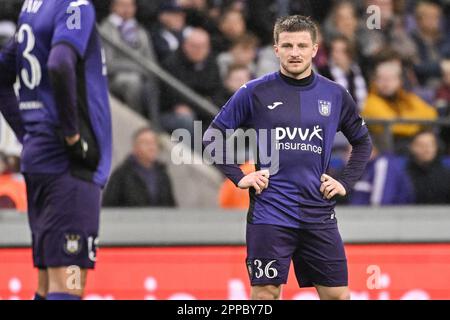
275	49
315	49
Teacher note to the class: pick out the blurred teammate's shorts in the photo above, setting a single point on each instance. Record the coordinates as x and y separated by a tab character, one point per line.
63	213
318	256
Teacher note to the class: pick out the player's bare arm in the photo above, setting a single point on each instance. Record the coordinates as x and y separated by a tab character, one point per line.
331	187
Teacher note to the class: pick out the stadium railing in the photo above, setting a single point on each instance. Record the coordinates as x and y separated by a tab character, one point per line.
181	227
198	102
388	137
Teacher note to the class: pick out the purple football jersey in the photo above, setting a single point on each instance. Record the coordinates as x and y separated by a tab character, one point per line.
303	121
42	25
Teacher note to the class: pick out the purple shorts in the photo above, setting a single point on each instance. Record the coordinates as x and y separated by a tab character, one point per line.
63	213
318	256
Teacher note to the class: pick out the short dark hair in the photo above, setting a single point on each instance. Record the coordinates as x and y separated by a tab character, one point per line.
295	23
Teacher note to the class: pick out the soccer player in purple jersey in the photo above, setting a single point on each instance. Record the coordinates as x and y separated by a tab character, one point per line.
291	215
63	118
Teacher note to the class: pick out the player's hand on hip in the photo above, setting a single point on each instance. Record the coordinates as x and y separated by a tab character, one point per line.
331	187
70	141
81	152
259	180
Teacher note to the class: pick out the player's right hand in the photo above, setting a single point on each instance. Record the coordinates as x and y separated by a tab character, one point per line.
258	180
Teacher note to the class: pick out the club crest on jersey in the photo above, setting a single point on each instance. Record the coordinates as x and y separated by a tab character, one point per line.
73	244
324	107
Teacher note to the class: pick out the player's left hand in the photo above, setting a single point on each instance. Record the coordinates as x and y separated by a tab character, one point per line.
331	187
82	152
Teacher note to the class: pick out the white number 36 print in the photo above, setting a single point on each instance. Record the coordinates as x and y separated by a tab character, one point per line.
269	271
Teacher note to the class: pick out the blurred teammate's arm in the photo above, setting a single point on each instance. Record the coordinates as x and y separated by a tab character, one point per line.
9	106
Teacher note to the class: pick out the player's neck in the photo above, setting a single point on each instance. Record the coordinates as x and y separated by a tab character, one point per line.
305	80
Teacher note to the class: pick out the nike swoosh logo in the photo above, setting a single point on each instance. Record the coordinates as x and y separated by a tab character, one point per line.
274	105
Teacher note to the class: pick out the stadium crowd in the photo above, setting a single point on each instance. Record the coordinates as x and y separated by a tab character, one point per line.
398	68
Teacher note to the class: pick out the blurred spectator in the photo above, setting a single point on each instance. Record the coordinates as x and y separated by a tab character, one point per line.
168	34
267	61
240	5
10	9
430	178
200	14
141	181
3	163
236	77
318	10
126	79
391	33
343	21
13	163
343	69
231	26
442	101
321	59
231	197
13	194
147	13
384	182
7	31
102	9
242	52
195	66
263	13
431	42
388	100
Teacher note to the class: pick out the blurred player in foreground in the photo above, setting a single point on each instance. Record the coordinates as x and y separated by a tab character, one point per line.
292	217
65	126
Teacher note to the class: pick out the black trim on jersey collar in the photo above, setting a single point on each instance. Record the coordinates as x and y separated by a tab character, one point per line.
298	82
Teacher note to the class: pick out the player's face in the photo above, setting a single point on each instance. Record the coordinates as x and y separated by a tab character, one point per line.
295	51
